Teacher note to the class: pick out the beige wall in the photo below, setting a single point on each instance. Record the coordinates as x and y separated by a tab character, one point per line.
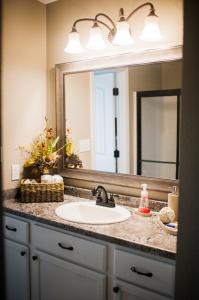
23	78
77	105
62	14
171	75
24	59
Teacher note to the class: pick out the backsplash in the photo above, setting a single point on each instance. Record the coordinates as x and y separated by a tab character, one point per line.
155	205
119	199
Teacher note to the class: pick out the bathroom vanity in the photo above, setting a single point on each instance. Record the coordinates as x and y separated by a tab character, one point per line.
50	258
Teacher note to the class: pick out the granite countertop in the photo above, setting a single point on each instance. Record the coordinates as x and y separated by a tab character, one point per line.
137	232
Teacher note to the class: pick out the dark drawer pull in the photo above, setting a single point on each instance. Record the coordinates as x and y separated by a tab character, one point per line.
23	253
64	247
133	269
11	228
35	257
116	289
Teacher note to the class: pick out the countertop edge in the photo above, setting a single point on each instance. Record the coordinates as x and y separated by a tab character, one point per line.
131	245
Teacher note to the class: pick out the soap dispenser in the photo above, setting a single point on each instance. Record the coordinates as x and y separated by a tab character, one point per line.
144	201
173	201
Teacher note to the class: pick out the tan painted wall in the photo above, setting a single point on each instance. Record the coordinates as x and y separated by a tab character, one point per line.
171	75
23	78
77	104
62	14
24	58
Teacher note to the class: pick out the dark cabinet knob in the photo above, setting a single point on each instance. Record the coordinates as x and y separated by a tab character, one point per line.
23	253
116	289
35	257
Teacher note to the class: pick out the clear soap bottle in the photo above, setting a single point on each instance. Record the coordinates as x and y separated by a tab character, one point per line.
144	201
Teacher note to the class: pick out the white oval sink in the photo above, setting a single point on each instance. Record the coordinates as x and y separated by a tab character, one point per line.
90	213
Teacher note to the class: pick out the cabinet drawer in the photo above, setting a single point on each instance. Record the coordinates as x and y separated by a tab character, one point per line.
15	229
69	247
146	272
130	291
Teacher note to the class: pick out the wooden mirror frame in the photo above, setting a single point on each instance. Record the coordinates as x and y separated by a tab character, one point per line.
117	183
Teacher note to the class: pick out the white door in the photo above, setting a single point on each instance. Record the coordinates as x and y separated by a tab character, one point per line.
56	279
125	291
104	122
16	271
110	114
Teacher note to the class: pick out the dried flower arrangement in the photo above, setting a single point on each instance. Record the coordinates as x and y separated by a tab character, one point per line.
42	155
72	159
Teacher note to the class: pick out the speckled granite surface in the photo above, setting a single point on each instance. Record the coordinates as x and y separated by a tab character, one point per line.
137	232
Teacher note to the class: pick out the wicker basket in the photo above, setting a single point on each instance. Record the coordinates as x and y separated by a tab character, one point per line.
42	192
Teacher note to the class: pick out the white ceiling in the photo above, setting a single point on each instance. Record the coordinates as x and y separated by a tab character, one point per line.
46	1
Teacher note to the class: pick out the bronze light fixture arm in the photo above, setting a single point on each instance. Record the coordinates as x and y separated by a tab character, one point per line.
152	10
107	17
94	20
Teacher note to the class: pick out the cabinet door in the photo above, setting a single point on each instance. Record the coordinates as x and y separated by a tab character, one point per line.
125	291
54	278
17	271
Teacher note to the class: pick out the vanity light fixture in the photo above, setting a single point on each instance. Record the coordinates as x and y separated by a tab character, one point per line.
118	33
96	38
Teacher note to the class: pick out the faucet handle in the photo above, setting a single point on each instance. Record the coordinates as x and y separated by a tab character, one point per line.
111	197
93	192
111	200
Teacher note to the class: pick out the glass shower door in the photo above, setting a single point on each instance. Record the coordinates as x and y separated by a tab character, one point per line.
158	133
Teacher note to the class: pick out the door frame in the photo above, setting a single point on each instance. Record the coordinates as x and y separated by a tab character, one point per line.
156	93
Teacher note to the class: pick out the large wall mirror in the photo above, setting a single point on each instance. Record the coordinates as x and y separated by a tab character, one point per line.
122	119
125	120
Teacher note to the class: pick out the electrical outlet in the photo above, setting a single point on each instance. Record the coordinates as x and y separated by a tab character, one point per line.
15	172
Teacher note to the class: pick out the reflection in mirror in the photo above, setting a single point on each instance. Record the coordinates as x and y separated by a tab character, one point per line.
102	115
158	133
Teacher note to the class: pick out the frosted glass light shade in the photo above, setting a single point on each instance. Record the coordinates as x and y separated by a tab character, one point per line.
122	36
74	44
96	39
151	31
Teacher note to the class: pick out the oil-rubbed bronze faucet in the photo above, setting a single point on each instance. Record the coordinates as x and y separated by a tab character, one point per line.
102	197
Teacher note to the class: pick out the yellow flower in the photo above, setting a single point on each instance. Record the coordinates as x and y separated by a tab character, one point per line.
69	148
29	162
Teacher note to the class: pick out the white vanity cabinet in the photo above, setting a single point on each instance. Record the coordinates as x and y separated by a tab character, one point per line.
54	278
16	259
62	266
